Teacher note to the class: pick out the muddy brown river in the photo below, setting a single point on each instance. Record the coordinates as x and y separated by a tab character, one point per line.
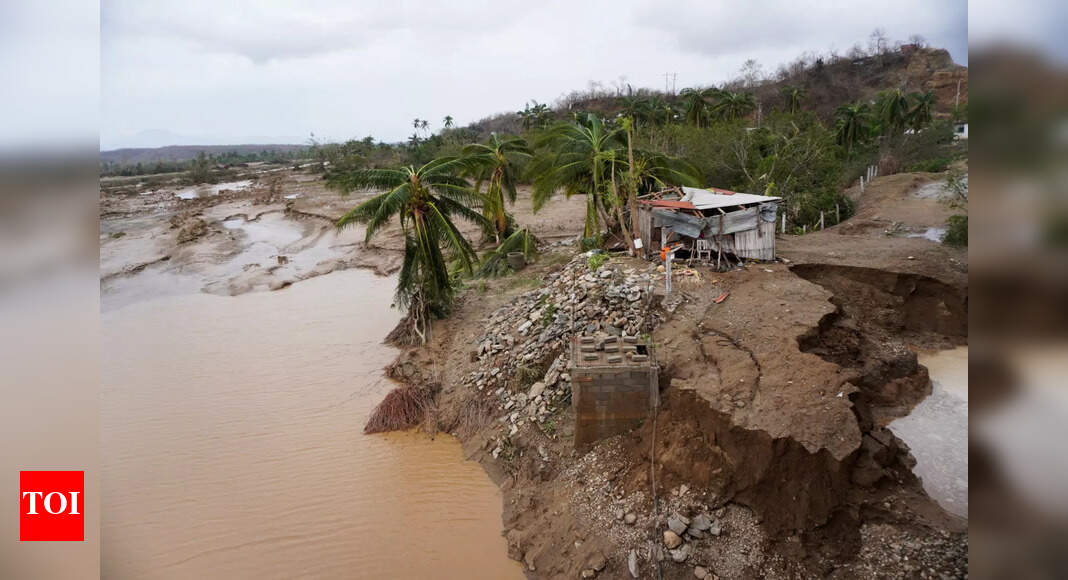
231	446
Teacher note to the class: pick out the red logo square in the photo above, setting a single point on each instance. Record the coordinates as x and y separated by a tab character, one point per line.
52	506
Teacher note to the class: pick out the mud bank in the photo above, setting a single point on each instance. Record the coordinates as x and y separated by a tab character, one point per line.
773	425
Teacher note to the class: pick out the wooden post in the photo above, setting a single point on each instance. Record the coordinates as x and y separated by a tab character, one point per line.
784	222
837	214
804	229
862	184
821	219
667	272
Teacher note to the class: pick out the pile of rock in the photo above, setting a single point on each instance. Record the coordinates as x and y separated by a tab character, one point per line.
523	357
681	530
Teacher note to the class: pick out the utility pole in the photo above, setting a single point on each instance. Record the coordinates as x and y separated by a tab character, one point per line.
671	76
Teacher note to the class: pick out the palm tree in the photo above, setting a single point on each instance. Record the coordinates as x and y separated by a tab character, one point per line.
576	160
534	115
893	111
500	158
424	124
415	123
792	97
447	122
852	124
426	200
634	107
660	111
732	106
655	171
696	105
922	109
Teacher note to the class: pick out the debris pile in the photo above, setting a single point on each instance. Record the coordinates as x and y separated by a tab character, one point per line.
522	361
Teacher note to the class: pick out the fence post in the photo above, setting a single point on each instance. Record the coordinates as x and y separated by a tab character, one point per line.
784	222
821	219
837	214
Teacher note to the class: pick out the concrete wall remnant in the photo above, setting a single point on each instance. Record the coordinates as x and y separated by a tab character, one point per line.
614	382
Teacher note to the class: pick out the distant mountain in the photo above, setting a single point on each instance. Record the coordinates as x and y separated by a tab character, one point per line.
134	155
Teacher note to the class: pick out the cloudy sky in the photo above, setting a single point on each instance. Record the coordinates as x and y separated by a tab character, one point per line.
210	71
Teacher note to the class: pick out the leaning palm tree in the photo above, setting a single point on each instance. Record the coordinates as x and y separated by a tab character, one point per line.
893	111
426	200
922	109
576	160
447	122
792	97
852	124
501	159
732	106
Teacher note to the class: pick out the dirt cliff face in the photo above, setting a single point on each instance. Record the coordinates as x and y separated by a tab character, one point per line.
772	424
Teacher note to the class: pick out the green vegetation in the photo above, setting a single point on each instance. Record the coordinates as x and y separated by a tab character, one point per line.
790	137
495	262
200	169
498	161
956	231
425	199
597	260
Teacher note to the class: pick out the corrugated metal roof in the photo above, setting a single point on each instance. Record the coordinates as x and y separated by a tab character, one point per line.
668	203
711	199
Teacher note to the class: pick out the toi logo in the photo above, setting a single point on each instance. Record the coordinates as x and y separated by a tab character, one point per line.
51	506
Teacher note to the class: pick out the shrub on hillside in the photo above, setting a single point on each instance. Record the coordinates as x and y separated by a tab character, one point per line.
956	231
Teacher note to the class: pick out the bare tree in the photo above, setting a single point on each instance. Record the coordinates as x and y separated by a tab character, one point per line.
878	42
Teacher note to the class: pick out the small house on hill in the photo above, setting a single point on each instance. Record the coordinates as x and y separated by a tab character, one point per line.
709	223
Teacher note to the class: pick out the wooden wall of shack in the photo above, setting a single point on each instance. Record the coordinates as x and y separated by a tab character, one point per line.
750	231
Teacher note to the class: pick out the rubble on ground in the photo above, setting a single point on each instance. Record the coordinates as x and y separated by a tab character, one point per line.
522	362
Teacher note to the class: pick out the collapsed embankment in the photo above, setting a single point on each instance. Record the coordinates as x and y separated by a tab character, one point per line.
771	426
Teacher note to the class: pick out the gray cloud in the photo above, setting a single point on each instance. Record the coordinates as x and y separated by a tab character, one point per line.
225	70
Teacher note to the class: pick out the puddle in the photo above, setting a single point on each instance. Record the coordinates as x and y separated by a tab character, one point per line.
196	191
232	446
933	234
937	430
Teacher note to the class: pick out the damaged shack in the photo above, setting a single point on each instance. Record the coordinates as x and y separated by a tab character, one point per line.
710	224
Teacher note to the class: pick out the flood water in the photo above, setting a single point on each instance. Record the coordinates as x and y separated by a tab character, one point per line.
937	430
231	446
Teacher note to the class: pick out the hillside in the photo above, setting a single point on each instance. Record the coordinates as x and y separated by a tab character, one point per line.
828	82
178	153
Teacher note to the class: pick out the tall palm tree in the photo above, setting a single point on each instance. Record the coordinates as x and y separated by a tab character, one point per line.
695	104
732	106
922	109
501	159
416	123
576	160
893	111
792	97
426	201
634	107
447	122
852	123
